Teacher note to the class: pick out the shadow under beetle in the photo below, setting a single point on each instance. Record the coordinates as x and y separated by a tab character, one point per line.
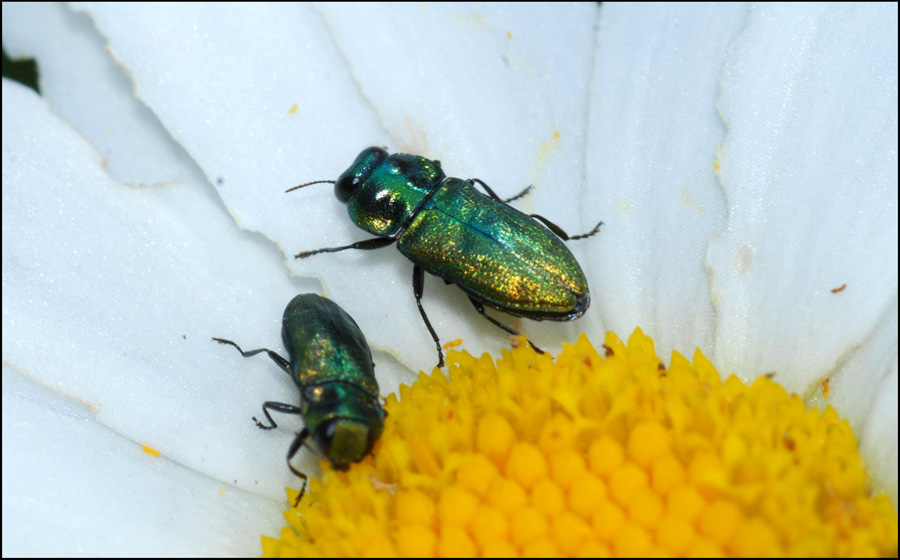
331	363
505	259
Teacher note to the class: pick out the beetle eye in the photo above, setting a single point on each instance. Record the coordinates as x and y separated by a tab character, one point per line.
345	187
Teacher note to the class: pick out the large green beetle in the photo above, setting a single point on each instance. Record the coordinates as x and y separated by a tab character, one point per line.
500	257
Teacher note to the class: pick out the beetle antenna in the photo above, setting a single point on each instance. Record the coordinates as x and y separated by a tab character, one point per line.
308	184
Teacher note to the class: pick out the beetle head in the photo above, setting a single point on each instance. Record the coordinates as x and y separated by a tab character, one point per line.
350	180
345	441
355	175
344	419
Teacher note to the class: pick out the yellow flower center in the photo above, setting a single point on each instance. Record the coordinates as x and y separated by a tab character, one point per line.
596	455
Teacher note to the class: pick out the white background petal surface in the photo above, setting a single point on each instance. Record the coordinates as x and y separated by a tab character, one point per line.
743	159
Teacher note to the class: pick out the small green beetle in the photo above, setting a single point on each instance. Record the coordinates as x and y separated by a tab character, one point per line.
505	259
331	363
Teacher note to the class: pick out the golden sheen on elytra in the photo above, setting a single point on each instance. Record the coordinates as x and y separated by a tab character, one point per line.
501	257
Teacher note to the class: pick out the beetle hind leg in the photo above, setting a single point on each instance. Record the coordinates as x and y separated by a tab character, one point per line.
561	233
588	234
480	308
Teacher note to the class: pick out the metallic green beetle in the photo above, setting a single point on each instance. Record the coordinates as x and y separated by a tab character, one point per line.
330	362
499	256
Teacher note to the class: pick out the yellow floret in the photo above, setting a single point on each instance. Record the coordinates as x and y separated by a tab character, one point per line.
596	454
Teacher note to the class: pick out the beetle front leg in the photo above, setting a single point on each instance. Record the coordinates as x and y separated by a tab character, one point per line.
280	407
295	446
281	362
418	288
480	308
367	245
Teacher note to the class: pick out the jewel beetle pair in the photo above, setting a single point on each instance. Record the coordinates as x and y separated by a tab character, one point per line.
501	257
330	361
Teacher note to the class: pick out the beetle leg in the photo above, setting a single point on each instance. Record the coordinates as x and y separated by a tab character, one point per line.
493	195
480	308
295	446
418	287
283	364
279	361
368	244
588	234
562	234
280	407
552	227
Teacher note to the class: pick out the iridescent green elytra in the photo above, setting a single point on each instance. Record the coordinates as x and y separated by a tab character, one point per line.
330	362
499	256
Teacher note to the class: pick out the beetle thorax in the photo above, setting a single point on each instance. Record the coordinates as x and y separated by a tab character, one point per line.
392	193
